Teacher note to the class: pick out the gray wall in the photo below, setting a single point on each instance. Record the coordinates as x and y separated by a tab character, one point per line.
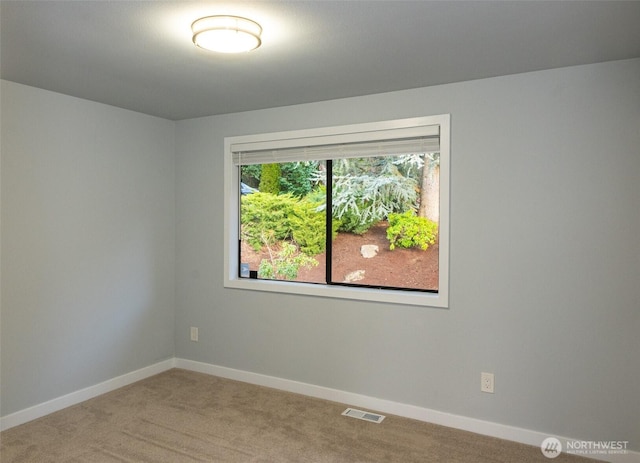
545	256
545	260
88	236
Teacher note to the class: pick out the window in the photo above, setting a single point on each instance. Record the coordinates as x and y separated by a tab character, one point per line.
358	211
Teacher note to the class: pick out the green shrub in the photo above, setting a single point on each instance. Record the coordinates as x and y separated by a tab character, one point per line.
296	177
285	263
407	230
318	195
265	218
309	224
270	179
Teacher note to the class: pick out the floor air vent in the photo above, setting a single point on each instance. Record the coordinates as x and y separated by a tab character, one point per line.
367	416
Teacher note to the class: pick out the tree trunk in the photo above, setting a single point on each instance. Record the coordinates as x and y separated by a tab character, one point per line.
430	192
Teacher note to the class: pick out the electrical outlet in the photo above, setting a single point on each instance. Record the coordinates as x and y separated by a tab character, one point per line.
194	333
487	382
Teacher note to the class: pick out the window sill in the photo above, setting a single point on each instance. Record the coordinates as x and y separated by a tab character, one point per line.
416	298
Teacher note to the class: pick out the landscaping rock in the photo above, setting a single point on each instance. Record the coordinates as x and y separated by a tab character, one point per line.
369	250
354	276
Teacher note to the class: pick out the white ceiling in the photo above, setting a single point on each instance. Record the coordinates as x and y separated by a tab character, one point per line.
139	55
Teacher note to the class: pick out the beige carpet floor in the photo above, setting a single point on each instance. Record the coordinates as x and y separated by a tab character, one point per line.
182	416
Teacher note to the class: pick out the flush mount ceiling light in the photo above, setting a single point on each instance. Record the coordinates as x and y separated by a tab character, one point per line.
226	34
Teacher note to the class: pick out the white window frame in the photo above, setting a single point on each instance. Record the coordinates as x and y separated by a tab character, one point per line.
359	132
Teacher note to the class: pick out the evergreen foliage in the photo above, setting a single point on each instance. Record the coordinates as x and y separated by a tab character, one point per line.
270	179
368	191
309	224
266	217
408	230
296	177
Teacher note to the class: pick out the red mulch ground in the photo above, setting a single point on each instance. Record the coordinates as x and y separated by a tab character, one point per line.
401	268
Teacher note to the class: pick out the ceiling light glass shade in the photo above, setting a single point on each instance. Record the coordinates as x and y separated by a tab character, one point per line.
226	34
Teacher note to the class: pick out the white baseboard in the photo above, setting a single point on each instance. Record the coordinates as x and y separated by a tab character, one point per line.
487	428
73	398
